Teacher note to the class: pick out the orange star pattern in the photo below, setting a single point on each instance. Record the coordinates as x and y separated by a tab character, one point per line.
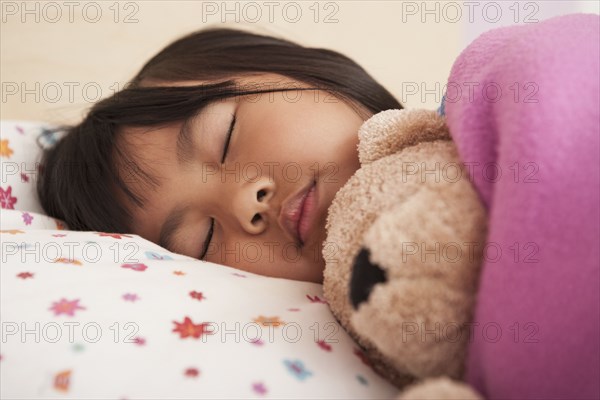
67	261
269	321
5	151
62	380
187	328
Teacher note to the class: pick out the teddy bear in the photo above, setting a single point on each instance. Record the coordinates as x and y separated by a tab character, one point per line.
407	229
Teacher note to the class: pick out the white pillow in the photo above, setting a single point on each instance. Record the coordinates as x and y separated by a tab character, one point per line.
136	312
98	315
20	153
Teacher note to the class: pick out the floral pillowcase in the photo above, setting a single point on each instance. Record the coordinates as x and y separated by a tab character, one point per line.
114	316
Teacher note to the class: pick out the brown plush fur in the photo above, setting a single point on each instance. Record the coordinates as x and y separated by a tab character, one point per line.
439	389
413	207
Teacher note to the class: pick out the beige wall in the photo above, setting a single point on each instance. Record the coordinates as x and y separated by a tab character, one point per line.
46	64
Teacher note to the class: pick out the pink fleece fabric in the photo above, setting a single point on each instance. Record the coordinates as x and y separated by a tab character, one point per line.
537	322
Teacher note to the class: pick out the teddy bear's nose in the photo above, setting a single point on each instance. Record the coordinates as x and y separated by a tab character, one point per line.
365	275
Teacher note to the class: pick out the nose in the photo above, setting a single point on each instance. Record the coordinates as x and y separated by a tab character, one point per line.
365	275
252	205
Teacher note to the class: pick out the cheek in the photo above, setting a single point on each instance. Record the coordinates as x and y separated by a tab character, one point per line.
279	259
303	269
311	142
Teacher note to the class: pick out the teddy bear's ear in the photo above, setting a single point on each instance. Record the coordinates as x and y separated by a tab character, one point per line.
390	131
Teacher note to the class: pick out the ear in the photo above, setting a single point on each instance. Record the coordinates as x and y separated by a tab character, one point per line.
390	131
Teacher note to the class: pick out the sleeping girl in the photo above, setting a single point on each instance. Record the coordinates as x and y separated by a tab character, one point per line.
227	146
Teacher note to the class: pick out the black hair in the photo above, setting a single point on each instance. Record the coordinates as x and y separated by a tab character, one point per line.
80	178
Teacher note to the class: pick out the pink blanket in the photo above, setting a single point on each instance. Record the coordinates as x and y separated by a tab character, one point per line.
523	107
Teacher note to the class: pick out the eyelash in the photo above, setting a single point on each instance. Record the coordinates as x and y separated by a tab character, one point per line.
212	220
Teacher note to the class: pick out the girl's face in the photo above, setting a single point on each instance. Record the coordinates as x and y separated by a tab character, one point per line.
256	199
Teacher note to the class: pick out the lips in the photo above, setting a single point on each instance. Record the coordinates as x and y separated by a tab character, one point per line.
297	213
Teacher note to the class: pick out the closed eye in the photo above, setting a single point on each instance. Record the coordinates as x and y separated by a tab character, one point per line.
228	139
208	239
212	220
